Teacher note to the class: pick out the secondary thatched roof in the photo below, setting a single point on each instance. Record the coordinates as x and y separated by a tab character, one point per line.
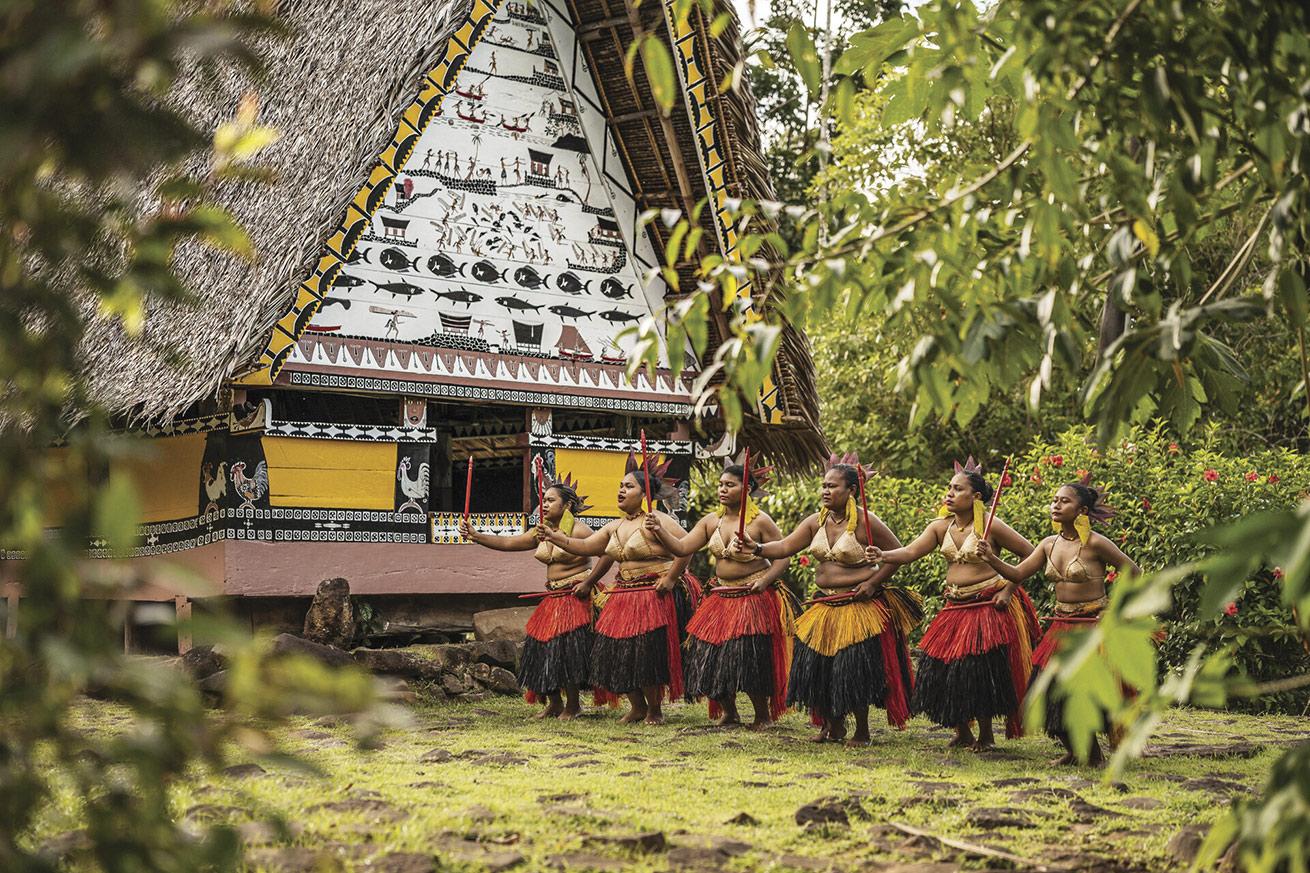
335	90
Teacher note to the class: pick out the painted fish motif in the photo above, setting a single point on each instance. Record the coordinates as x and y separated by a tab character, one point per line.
468	298
529	278
345	280
400	289
619	316
614	290
513	303
395	259
570	312
569	283
443	267
483	271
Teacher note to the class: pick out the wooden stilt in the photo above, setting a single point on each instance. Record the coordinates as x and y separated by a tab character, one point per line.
183	606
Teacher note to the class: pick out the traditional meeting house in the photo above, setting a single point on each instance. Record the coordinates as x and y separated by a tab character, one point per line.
447	257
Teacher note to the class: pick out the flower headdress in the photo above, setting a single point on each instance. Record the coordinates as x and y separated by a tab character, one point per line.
574	503
668	487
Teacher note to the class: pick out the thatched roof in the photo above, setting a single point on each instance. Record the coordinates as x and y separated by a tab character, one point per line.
336	89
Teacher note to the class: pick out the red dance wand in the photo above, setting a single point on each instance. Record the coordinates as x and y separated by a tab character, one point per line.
645	471
745	496
996	499
864	505
468	488
541	490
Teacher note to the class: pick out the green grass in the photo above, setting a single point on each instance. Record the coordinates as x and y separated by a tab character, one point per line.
564	782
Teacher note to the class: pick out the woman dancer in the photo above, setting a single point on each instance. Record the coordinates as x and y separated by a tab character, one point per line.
850	650
638	648
977	652
739	640
1075	559
556	660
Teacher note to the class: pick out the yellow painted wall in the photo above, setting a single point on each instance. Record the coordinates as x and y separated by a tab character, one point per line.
330	473
598	475
166	472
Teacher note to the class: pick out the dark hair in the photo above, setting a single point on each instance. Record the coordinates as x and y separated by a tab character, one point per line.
1089	499
849	475
979	484
656	483
570	497
737	470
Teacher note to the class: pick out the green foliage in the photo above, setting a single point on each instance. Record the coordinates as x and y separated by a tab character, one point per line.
86	129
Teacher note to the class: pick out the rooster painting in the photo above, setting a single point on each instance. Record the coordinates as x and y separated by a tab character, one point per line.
215	482
249	488
415	489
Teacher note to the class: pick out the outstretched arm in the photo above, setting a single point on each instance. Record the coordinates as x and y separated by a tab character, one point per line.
674	573
584	588
681	546
883	538
922	545
522	542
766	531
592	546
1015	573
783	548
1008	538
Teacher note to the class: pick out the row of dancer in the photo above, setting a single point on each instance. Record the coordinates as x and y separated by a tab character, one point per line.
849	649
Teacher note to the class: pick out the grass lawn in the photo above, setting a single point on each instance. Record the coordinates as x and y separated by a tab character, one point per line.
483	786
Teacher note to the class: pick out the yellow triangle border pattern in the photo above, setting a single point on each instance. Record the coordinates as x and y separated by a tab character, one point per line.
391	160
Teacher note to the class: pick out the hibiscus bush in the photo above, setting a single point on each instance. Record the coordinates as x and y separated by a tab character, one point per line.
1166	495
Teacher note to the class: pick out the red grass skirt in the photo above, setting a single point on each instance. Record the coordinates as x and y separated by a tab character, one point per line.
740	642
851	655
557	650
638	639
977	661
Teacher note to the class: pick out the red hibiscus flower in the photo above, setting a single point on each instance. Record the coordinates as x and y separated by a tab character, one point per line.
1057	460
1278	572
1252	476
1111	575
1230	609
803	560
1080	472
1035	478
1146	504
1007	480
1272	479
1211	476
1173	449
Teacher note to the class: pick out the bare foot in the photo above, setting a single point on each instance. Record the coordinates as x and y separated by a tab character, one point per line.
822	736
551	711
963	739
634	715
838	733
982	745
655	718
728	719
1064	760
857	741
759	725
570	714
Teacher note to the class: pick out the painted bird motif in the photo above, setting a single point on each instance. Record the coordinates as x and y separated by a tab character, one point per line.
215	483
249	488
415	489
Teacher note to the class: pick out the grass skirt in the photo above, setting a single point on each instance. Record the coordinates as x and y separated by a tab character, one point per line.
557	650
977	661
740	642
638	641
851	655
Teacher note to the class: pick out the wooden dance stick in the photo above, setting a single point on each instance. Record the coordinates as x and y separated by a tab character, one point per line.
745	496
541	489
996	499
645	470
831	598
639	588
864	505
468	488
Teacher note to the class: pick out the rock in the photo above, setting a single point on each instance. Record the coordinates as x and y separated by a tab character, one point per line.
243	771
1013	781
583	860
214	685
480	814
1203	750
470	852
830	810
743	818
263	833
458	684
497	653
202	662
804	862
395	689
502	624
446	656
396	662
1085	810
1142	803
993	817
1045	794
926	867
496	679
436	756
330	620
648	842
1223	788
401	862
369	808
1184	845
210	812
290	644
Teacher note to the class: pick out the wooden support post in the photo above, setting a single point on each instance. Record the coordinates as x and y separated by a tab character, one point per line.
11	611
183	607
